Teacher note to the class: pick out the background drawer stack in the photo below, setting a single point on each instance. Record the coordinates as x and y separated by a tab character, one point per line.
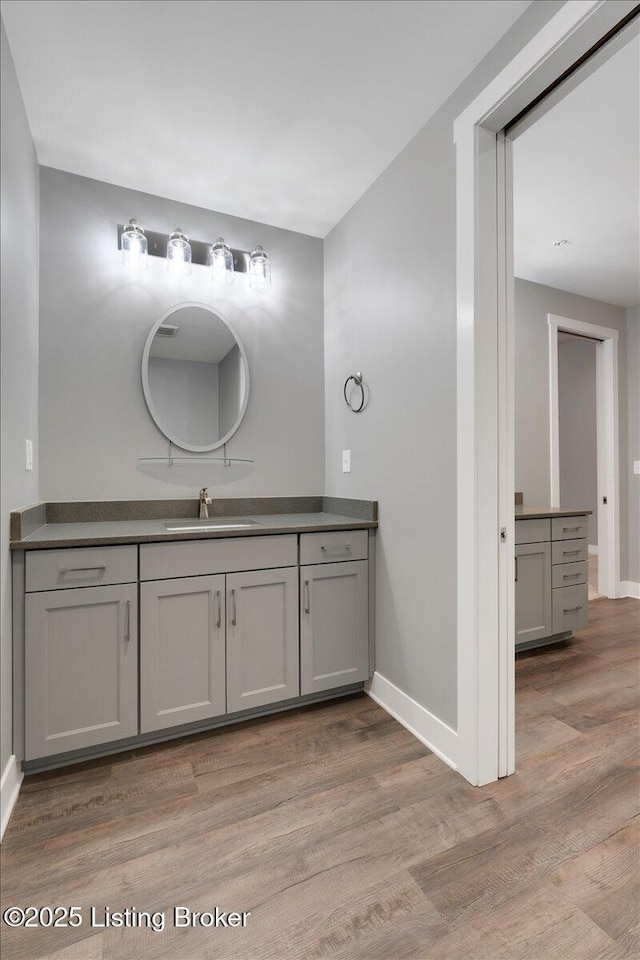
570	591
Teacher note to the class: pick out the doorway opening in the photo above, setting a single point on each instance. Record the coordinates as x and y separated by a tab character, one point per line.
573	43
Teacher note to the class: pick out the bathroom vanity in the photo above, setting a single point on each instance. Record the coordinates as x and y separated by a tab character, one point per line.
551	574
133	630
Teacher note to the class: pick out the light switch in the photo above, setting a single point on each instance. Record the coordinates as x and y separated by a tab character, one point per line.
636	466
346	461
28	455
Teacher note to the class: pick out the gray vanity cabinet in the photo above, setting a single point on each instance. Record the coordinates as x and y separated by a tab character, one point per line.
81	667
334	632
262	638
182	656
533	591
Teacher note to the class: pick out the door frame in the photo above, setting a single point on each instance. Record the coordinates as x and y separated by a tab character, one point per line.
485	385
607	440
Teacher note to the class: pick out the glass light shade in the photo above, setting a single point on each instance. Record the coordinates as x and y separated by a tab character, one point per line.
134	247
259	270
221	262
179	254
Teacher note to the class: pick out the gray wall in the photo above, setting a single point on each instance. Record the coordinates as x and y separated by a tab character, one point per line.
533	302
633	421
94	321
390	311
578	428
185	397
229	395
18	345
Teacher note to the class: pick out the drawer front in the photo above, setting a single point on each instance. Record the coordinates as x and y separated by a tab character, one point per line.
533	531
569	574
164	561
569	551
333	547
569	528
569	608
81	567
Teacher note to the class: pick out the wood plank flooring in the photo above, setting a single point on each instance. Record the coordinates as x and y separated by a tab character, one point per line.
346	838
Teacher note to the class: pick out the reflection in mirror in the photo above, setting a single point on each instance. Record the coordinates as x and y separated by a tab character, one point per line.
195	378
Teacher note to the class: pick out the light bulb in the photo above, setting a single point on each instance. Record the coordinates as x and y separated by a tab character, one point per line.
134	247
221	262
179	254
259	270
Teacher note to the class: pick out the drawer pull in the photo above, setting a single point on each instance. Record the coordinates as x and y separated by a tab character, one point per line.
307	597
219	620
572	609
570	529
127	621
336	550
64	570
571	576
234	615
570	553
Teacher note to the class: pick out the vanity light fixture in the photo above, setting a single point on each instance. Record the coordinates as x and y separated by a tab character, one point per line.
134	246
221	262
224	261
179	254
259	269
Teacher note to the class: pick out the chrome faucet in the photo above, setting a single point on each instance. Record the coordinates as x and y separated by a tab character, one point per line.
205	503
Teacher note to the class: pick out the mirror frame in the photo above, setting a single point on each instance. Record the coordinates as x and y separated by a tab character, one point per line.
181	444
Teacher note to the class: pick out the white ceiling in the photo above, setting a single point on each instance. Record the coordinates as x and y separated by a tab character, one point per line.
202	337
576	177
281	111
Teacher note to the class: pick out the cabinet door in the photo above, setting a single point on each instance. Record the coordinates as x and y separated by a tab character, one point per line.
334	625
81	668
262	638
182	651
533	592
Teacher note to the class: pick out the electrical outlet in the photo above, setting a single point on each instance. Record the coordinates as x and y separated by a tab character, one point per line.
28	455
346	461
636	466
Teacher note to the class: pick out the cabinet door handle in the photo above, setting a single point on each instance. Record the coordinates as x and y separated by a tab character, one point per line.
219	621
127	621
572	610
234	615
307	597
82	569
570	529
570	576
570	553
516	569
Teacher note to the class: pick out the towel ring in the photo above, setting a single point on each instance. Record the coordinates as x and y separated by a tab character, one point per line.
357	379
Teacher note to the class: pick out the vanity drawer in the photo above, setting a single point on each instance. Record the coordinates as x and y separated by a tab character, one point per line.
569	551
569	528
333	546
569	608
568	574
533	531
162	561
80	567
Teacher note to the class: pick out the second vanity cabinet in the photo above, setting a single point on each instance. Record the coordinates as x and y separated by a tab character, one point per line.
123	642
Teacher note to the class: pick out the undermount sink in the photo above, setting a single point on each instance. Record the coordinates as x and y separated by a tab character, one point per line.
213	523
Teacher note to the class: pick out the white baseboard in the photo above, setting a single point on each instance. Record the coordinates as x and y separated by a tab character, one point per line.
436	735
629	588
9	789
593	550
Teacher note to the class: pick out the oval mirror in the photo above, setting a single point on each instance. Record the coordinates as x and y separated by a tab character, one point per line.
195	377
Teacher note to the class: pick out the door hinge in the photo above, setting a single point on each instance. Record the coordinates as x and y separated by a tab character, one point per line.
503	534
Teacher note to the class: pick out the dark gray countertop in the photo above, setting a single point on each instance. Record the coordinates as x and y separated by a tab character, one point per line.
539	513
43	534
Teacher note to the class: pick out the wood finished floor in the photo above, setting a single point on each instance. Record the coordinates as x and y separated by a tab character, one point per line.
346	838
